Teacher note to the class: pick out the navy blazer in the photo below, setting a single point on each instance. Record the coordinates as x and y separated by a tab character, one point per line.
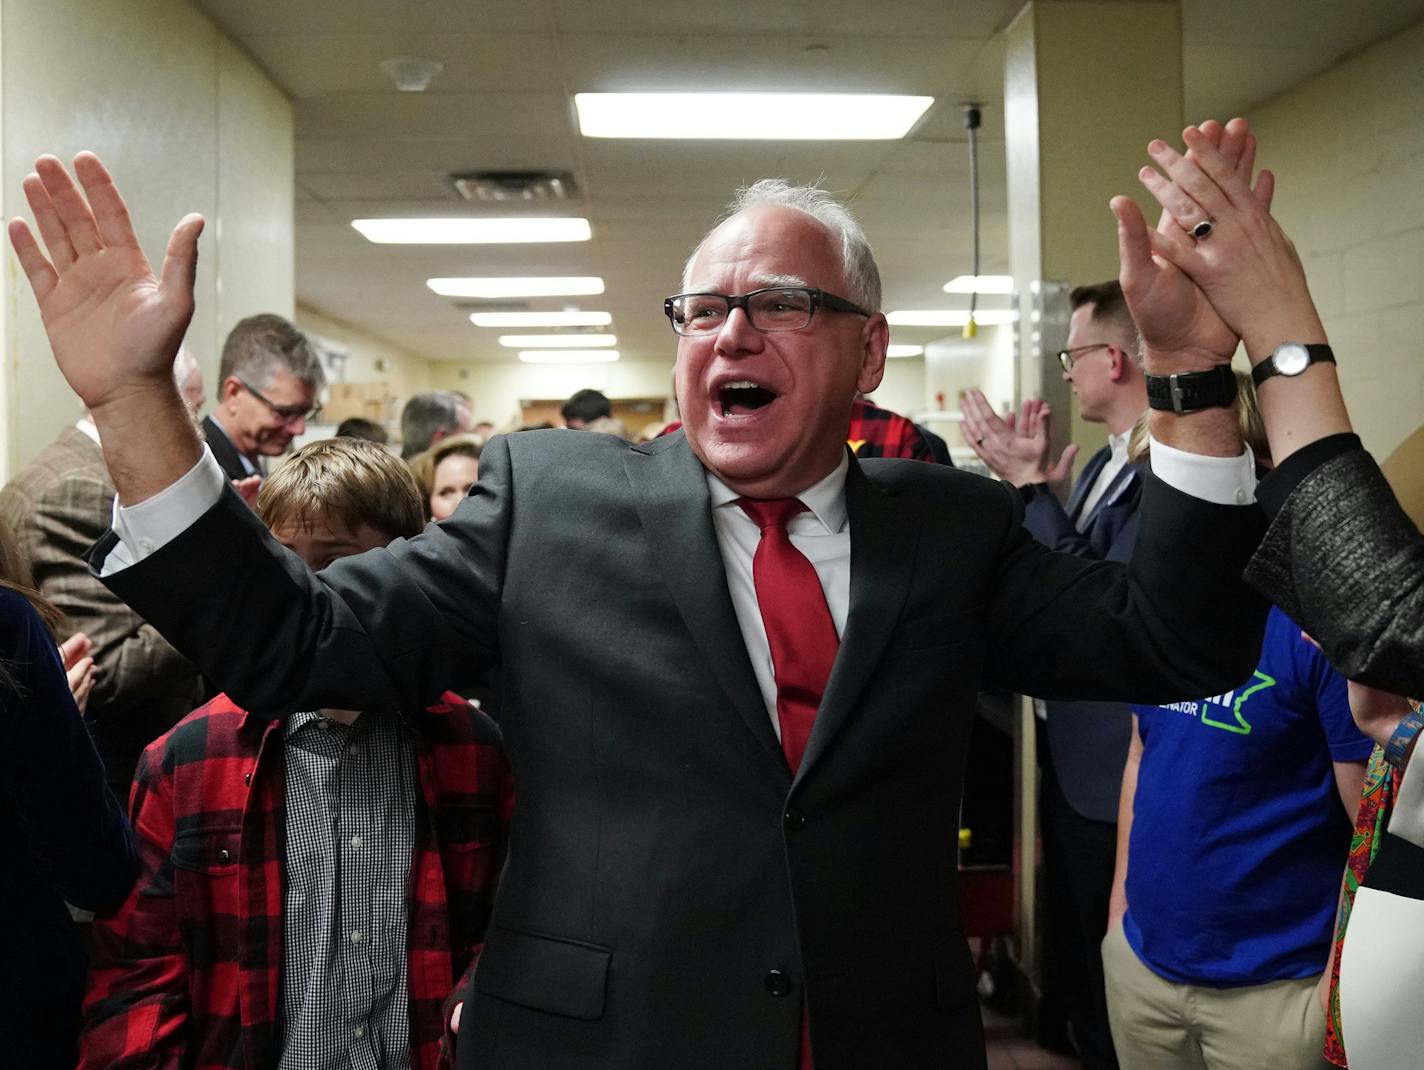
1088	741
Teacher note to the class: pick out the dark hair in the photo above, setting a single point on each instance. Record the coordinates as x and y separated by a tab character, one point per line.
266	343
15	576
362	428
1109	305
586	405
425	416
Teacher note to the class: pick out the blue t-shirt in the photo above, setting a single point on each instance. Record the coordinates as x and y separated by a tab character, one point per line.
1238	836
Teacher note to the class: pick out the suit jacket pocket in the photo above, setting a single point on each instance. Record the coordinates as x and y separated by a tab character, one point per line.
544	973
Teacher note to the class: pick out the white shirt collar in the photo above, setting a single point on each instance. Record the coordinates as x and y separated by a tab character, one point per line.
825	498
87	426
1117	444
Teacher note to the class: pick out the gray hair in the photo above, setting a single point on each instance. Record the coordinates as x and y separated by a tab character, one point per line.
264	344
857	261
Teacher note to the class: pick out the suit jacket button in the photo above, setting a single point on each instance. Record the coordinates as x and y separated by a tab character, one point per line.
778	984
794	820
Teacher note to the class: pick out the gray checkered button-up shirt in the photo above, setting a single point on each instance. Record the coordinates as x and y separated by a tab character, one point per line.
350	831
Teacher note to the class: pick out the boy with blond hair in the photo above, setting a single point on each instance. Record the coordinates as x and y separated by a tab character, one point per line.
313	883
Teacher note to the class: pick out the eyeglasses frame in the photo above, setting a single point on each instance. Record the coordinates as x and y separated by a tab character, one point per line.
819	299
1067	357
285	413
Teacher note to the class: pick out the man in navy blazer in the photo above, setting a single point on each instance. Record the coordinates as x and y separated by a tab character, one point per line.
1082	745
676	893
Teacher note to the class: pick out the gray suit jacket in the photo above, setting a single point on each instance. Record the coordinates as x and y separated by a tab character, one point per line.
57	506
672	892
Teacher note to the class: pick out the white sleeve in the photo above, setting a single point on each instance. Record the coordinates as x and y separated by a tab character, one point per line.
153	522
1222	480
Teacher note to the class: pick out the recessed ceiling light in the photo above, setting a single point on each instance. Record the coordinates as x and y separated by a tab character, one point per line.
750	116
568	356
567	318
556	341
984	284
951	317
579	286
904	351
505	230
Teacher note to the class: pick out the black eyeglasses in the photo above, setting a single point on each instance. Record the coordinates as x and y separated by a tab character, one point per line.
777	308
1066	357
288	414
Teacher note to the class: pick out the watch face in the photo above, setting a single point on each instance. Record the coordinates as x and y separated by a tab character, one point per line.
1291	359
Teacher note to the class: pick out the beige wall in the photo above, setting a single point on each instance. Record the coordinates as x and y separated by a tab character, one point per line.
1348	149
498	388
370	359
187	123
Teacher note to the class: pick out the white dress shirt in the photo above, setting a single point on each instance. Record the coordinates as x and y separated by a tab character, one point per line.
822	533
1117	461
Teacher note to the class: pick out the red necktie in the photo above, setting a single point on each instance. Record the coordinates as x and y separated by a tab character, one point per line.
802	637
798	622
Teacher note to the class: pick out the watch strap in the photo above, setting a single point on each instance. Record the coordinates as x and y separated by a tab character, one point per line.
1401	741
1315	353
1186	392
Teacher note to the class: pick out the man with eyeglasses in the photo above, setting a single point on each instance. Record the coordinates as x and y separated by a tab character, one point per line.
1082	745
268	382
737	666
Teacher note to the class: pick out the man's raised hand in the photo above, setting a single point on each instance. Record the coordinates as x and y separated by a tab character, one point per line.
114	328
1014	449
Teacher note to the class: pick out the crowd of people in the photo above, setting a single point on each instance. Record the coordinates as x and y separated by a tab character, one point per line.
564	749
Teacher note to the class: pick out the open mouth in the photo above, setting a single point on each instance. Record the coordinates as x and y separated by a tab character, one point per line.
743	397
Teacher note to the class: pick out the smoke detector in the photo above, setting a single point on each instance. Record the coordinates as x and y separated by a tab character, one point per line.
515	186
411	74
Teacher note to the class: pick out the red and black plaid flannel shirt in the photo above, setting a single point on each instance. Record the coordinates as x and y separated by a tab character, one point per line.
187	973
876	432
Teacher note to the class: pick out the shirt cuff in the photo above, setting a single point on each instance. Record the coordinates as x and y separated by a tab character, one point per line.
157	521
1222	480
1407	819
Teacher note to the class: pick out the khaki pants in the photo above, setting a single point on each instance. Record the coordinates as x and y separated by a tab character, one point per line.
1160	1025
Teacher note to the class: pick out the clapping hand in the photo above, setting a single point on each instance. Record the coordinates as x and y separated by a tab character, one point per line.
1014	449
79	668
113	326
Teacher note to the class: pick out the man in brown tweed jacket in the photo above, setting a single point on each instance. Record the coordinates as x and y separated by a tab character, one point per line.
58	505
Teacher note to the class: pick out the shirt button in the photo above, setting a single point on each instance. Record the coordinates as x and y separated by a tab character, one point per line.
324	725
356	842
360	1031
357	937
146	545
223	855
778	984
1242	497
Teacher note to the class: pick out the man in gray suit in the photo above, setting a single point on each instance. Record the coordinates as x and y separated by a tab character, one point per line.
57	506
737	665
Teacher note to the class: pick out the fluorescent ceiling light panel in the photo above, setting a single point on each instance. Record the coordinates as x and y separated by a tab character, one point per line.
568	356
566	318
580	286
557	341
506	230
951	317
750	116
983	284
904	351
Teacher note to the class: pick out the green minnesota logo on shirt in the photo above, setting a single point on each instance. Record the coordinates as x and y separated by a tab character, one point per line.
1224	711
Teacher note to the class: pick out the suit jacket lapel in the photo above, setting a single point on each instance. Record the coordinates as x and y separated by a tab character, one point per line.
884	535
676	512
1086	480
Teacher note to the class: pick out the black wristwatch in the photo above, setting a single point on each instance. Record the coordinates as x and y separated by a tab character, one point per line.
1292	358
1192	391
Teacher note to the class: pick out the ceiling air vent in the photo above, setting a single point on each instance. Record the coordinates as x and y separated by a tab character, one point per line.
515	186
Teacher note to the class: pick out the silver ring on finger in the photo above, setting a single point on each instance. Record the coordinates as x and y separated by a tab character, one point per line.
1202	229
